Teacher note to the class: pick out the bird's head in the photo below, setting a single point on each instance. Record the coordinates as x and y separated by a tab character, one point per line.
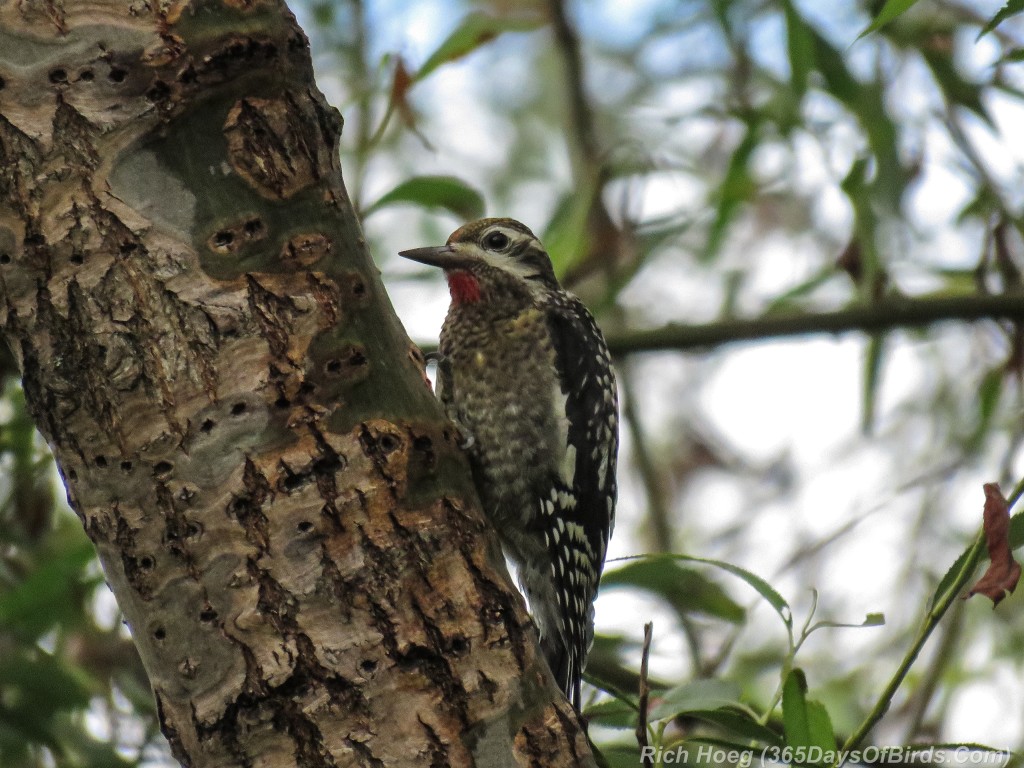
490	256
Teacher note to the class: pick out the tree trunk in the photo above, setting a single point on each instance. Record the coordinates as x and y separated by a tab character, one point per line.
241	422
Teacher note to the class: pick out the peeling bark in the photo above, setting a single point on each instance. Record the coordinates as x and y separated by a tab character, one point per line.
240	421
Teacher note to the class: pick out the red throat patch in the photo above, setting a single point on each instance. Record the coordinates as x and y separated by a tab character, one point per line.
464	286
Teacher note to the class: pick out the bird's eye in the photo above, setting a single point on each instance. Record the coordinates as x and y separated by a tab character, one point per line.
496	241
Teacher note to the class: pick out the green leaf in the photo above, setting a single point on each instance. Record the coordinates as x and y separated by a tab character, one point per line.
685	589
695	696
445	192
794	710
866	101
619	756
954	87
43	684
47	595
762	587
613	713
806	722
820	725
740	724
737	187
1012	8
970	745
474	30
800	46
1017	530
565	236
890	11
988	400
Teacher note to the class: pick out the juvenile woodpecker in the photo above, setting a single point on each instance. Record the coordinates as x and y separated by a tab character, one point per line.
525	373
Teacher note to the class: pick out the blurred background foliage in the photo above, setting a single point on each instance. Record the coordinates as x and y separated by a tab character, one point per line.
690	164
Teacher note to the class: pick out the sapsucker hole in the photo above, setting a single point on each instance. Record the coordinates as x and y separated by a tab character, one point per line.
253	227
188	75
305	526
207	615
459	645
423	443
368	666
207	425
58	76
193	530
117	75
162	468
333	365
293	481
357	358
388	443
3	83
86	76
126	466
224	238
159	633
158	91
307	388
72	475
76	259
238	409
147	562
358	288
5	258
127	247
101	461
282	402
240	506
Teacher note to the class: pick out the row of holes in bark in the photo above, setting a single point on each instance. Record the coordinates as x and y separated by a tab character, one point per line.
158	91
59	76
161	468
75	258
147	562
225	238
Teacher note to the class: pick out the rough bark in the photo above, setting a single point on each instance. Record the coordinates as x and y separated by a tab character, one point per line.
240	420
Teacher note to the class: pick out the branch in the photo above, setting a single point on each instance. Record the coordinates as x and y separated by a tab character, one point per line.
885	315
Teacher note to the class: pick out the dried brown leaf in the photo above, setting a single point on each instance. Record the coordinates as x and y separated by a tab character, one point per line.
1003	571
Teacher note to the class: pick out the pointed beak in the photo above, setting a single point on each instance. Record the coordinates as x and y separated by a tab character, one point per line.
443	256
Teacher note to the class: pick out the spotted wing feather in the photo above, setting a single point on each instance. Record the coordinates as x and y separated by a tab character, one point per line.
577	540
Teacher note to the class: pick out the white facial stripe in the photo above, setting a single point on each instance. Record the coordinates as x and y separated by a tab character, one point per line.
500	259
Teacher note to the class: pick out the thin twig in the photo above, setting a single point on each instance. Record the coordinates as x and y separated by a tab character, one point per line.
932	675
646	759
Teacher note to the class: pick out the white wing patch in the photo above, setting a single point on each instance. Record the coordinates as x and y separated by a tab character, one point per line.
567	465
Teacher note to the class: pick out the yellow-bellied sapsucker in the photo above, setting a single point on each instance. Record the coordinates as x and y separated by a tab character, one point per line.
525	373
